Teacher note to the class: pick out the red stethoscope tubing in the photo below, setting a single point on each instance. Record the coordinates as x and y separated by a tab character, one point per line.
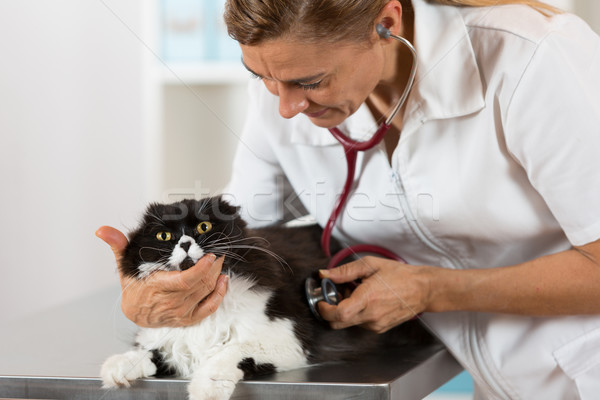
351	149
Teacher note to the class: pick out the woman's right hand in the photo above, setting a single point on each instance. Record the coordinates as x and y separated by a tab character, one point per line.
169	299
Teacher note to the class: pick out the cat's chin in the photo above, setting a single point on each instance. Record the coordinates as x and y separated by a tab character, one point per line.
186	264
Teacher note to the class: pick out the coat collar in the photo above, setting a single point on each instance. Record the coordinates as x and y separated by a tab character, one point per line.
447	84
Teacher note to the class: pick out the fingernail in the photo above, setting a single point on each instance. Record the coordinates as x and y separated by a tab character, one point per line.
212	258
224	280
324	273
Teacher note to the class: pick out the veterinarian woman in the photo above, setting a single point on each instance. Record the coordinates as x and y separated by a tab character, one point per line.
488	182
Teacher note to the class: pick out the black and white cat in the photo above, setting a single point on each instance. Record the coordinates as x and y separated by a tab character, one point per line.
264	323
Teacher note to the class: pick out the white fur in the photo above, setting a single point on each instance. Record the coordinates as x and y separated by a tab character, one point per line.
195	252
210	351
120	369
146	269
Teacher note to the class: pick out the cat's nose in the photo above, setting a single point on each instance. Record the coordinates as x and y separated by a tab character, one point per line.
185	246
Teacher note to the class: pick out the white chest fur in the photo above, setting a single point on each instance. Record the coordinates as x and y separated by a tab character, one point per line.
240	323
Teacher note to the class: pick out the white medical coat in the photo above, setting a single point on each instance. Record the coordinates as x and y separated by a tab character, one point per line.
498	163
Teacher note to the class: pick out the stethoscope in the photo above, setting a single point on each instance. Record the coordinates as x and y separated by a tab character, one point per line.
327	290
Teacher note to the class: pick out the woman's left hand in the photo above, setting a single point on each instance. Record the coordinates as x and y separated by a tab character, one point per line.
390	293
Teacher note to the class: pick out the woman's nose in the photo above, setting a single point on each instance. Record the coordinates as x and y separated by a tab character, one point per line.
292	101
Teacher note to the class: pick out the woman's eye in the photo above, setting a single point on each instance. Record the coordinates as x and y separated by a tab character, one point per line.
254	76
309	86
164	236
204	227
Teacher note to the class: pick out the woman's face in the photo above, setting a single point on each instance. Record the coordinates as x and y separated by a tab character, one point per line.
327	82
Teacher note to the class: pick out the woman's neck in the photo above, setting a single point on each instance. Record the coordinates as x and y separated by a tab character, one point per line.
399	64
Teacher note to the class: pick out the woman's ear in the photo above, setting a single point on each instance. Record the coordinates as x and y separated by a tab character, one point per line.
390	17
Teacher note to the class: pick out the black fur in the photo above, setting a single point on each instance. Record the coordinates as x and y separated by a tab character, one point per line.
163	369
250	368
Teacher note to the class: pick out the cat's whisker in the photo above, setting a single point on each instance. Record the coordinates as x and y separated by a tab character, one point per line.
280	260
223	251
163	259
227	243
241	239
156	249
132	282
220	236
219	240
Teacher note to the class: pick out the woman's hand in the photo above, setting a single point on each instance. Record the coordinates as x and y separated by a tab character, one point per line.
390	293
171	298
564	283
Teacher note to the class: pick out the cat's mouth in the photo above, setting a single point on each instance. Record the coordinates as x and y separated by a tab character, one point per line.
186	263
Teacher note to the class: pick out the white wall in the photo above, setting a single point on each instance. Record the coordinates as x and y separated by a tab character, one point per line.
202	127
562	4
70	134
590	11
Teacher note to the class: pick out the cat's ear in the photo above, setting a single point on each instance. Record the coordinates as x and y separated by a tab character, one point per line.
161	213
153	208
225	208
158	212
214	207
153	211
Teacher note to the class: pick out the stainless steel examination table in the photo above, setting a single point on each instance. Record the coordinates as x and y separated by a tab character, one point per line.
57	355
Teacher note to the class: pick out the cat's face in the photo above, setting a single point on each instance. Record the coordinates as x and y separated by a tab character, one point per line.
173	237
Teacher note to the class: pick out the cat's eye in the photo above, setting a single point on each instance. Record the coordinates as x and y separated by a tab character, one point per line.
204	227
164	236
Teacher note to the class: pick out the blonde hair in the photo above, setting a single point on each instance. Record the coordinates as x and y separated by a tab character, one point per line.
253	21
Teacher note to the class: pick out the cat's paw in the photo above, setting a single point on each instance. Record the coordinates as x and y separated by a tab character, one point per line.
211	389
218	384
122	369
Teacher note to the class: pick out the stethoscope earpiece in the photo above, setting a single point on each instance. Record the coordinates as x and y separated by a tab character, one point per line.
325	292
382	31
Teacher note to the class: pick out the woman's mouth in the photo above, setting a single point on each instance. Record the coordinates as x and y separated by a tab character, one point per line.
316	114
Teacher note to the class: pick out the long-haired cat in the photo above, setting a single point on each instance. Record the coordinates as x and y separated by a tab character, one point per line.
264	323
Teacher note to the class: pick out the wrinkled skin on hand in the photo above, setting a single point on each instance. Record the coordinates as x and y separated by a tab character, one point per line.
389	293
169	298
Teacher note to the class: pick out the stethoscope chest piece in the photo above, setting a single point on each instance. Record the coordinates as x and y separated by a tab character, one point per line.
325	292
